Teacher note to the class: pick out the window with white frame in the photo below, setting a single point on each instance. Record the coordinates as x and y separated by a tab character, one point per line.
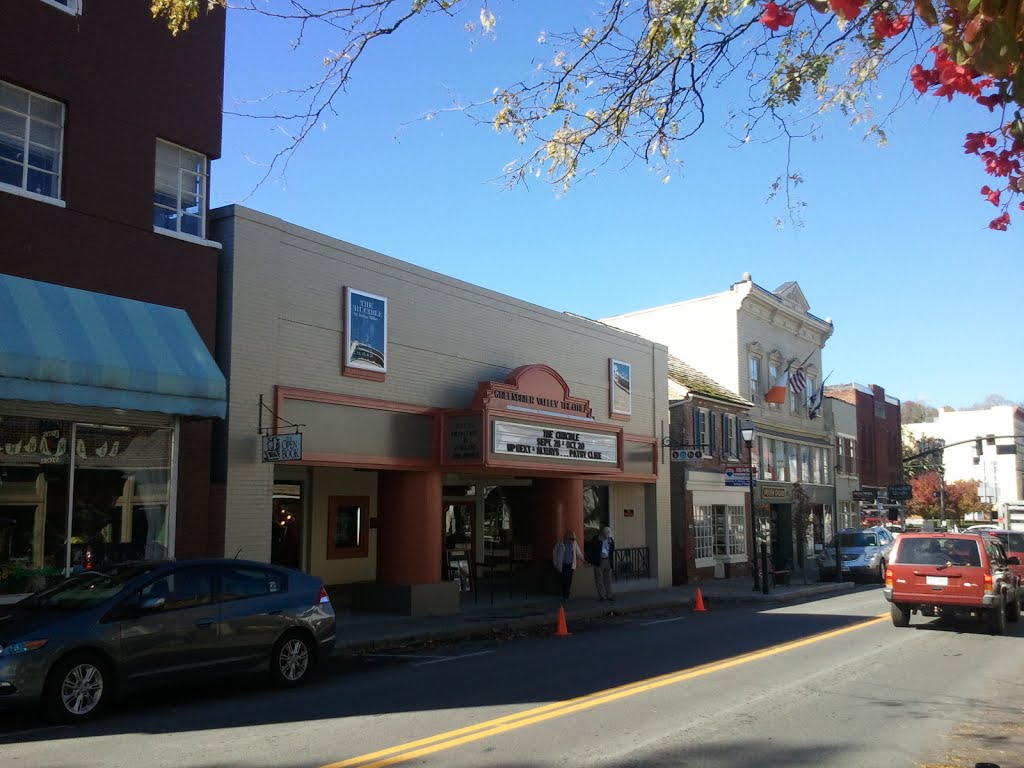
731	520
719	531
700	429
179	197
773	376
811	393
31	141
755	379
703	533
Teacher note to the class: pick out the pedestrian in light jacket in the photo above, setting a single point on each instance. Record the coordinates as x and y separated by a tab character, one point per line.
565	557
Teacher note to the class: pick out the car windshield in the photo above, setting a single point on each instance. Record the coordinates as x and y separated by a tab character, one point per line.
938	551
85	590
849	539
1013	542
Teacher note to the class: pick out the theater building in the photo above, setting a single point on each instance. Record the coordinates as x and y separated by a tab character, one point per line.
446	430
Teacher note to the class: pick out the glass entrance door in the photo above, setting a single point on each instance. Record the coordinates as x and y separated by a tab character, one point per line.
286	519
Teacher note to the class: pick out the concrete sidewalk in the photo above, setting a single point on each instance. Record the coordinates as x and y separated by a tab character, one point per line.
480	618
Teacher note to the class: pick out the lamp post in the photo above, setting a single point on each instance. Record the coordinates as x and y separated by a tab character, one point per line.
747	432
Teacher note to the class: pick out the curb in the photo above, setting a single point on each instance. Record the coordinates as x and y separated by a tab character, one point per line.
484	629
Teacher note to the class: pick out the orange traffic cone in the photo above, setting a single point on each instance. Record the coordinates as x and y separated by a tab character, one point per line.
561	631
700	601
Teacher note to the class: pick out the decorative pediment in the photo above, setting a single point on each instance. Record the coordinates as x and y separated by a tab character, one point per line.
535	387
790	293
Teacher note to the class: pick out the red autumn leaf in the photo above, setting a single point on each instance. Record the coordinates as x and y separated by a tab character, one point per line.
889	27
972	28
992	195
848	9
1000	223
776	16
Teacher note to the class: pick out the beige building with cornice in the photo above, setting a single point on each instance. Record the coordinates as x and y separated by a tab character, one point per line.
746	338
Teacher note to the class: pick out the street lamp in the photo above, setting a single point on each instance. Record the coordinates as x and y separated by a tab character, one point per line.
747	433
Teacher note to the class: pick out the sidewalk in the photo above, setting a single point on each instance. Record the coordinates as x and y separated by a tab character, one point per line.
479	618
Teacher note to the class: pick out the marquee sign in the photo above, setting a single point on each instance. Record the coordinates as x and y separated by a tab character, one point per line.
551	442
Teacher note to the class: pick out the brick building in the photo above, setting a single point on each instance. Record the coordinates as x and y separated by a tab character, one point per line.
875	455
710	468
108	283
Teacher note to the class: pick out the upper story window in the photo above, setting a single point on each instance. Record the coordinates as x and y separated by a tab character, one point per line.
71	6
179	197
755	379
31	141
773	377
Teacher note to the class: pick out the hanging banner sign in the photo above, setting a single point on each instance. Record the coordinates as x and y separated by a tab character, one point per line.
282	447
688	454
513	438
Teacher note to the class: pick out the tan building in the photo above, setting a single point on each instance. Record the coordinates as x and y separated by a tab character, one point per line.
443	425
747	339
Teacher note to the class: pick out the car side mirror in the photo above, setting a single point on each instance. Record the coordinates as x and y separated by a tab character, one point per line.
1013	560
151	604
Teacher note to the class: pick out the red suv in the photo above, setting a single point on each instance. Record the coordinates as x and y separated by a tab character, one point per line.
952	574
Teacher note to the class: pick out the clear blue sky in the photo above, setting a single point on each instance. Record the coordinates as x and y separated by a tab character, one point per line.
894	249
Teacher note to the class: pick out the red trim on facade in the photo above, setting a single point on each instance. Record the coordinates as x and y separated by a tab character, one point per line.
617	416
358	461
360	373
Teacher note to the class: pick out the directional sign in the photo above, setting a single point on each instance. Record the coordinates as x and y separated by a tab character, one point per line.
900	492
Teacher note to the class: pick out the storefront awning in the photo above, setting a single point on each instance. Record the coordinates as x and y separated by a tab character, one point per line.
69	346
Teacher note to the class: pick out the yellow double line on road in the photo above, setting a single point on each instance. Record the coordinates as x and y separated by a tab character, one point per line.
442	741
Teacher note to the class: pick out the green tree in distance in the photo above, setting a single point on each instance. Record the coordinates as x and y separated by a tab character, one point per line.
634	77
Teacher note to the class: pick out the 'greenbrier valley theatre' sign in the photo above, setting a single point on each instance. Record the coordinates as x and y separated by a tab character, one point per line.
513	438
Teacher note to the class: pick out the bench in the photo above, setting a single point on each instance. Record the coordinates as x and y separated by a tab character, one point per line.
779	576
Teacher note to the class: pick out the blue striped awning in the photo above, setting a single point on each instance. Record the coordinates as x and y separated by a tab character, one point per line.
64	345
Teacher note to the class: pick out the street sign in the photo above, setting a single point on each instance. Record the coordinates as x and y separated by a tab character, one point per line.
282	447
864	494
688	454
900	492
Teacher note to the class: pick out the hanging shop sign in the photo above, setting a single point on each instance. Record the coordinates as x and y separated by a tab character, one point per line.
864	494
282	447
688	454
517	439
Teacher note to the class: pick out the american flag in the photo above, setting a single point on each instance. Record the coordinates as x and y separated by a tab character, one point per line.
797	381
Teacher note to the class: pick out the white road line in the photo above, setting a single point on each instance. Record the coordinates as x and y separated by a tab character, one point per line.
661	621
403	656
452	658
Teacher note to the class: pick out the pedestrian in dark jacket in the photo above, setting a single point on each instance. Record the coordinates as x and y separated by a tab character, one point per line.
602	557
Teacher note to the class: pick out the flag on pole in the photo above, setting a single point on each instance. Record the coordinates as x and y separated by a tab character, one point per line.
777	393
814	405
797	382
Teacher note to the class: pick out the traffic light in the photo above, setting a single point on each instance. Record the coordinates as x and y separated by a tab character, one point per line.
979	447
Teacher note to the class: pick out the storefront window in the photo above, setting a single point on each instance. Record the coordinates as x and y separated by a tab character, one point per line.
121	500
120	508
806	464
791	462
780	460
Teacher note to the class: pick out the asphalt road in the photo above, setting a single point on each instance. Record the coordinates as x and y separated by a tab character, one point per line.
823	683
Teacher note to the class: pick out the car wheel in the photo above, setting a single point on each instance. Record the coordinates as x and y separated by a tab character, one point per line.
900	615
997	619
292	659
881	572
77	688
1013	609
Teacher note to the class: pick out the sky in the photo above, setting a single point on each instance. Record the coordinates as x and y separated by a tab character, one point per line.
894	245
